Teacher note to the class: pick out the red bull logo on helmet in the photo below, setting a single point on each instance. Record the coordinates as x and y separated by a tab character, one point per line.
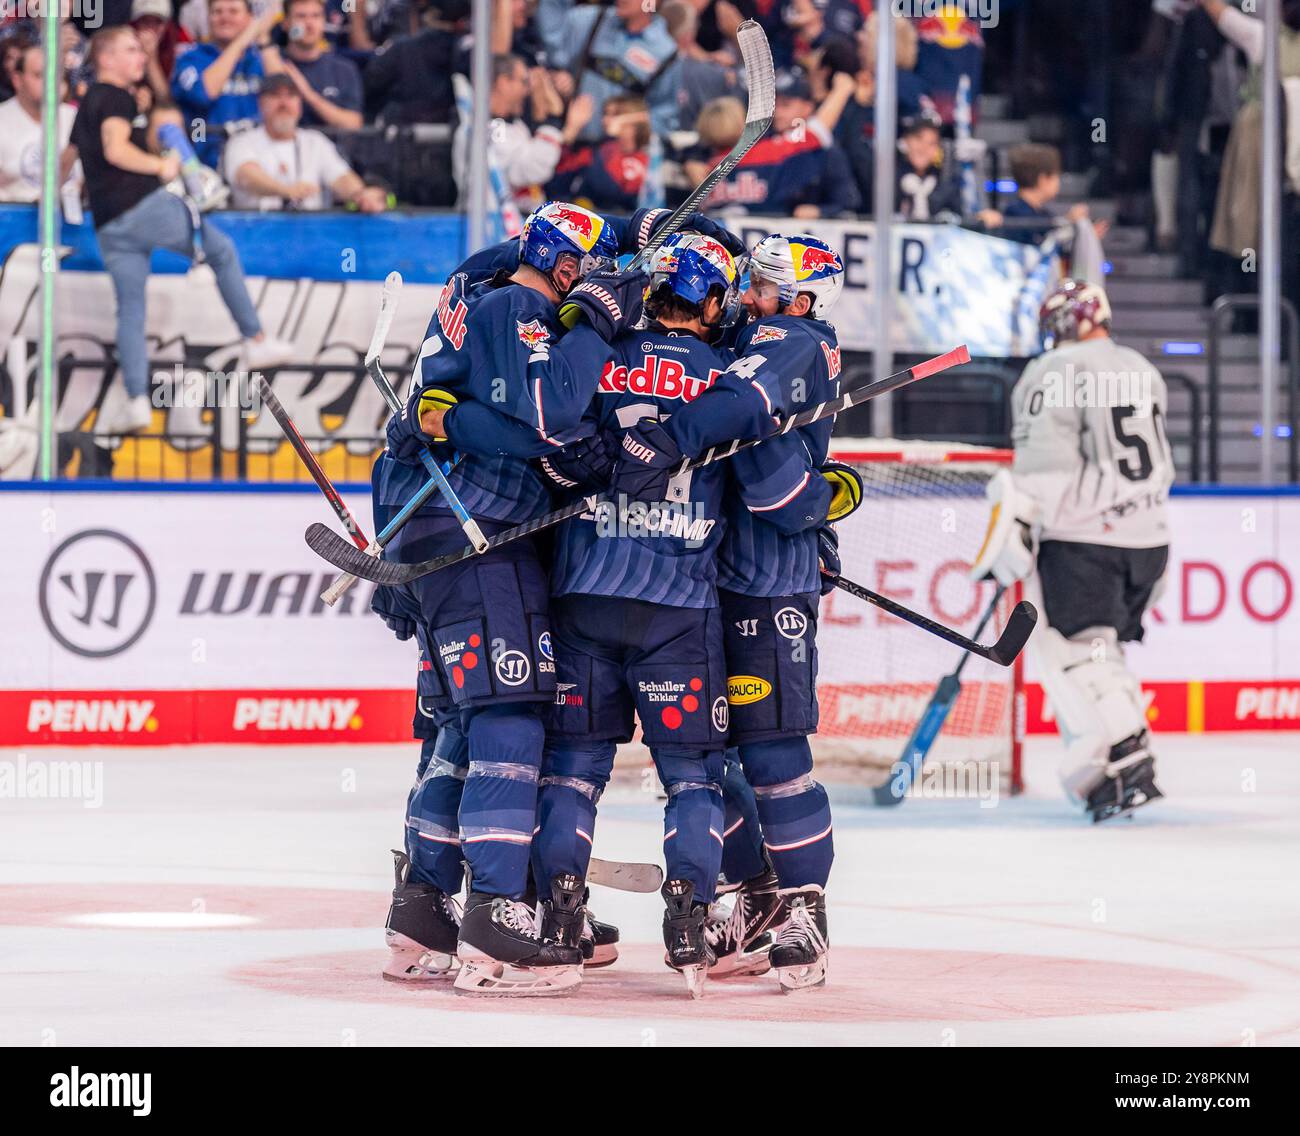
811	261
577	224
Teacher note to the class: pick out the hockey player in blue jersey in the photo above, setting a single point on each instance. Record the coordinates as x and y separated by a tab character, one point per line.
496	344
769	579
636	623
422	925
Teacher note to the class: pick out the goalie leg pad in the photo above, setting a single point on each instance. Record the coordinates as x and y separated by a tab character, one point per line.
1097	703
574	774
793	809
432	827
693	815
499	803
742	839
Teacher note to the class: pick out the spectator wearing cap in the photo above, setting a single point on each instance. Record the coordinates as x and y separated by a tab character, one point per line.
330	85
278	165
216	84
159	35
623	49
924	189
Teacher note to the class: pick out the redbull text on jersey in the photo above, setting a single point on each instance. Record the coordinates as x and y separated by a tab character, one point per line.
666	378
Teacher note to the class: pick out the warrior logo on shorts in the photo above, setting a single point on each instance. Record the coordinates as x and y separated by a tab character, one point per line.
791	623
513	668
721	714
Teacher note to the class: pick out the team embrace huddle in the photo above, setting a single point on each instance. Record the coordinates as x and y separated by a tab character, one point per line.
547	376
682	590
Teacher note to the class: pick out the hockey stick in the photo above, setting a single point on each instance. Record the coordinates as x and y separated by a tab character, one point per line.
309	459
624	876
761	77
907	768
338	552
438	479
1010	643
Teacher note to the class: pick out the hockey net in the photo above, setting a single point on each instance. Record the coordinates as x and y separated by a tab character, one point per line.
921	523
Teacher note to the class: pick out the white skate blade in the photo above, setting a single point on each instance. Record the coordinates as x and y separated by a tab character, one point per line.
487	978
420	966
695	976
802	977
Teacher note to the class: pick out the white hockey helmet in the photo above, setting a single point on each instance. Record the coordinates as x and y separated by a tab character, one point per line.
800	263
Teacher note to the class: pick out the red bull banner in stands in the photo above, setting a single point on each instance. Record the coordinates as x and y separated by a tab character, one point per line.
950	286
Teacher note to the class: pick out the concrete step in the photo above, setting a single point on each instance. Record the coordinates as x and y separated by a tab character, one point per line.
1161	264
1003	132
1160	319
994	107
1124	290
1129	239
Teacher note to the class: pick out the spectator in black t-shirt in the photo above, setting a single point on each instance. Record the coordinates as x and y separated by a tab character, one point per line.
409	79
330	85
134	215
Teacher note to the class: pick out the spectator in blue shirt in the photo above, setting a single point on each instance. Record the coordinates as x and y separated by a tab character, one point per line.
330	86
216	83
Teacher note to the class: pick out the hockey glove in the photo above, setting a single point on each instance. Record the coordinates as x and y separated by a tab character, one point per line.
406	438
646	223
645	462
586	464
828	555
610	301
387	604
698	223
846	489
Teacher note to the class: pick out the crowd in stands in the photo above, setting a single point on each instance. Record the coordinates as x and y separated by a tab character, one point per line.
613	104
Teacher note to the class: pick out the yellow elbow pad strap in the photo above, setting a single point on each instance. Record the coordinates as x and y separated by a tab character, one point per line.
846	489
434	398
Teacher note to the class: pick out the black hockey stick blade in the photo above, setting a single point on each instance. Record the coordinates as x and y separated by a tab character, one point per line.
331	547
1020	625
1003	652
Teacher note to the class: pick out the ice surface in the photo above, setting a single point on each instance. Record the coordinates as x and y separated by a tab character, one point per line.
237	895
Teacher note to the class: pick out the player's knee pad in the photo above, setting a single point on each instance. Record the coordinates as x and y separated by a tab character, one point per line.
1097	703
682	769
581	766
574	774
793	808
505	734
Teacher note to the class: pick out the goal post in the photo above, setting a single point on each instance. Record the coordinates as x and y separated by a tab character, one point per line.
922	520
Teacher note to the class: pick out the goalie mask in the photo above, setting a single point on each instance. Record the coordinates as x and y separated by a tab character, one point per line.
791	265
1073	311
558	228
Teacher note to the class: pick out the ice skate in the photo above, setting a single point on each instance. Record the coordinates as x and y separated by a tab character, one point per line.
599	941
503	954
688	949
803	942
423	923
1127	787
564	913
740	936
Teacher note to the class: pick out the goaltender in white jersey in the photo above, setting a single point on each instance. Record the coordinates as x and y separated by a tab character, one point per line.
1085	503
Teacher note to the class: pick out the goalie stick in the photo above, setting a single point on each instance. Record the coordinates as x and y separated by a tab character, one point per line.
1010	643
338	552
907	768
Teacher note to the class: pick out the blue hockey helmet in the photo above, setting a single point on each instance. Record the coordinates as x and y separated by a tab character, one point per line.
557	228
691	266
